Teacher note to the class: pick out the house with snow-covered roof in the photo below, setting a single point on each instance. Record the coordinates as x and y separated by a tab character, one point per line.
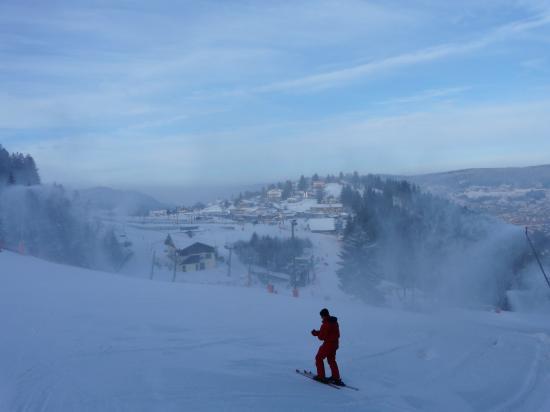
190	256
274	194
318	184
214	210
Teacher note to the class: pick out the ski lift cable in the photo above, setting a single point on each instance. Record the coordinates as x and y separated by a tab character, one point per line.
537	256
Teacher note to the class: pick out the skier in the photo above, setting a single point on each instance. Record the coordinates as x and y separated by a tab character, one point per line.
329	334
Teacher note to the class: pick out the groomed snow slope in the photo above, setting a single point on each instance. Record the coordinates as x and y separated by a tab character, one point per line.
77	340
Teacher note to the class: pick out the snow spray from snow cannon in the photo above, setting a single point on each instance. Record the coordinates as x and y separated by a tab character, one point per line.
537	256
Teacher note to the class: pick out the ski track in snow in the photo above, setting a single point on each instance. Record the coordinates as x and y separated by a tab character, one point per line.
534	375
89	341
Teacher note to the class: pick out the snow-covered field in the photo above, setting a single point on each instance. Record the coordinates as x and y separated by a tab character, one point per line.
78	340
148	238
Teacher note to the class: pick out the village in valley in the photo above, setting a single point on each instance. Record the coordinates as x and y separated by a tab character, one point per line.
201	244
286	237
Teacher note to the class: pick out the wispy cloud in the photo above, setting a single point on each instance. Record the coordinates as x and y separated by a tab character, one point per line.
335	78
538	64
426	95
220	90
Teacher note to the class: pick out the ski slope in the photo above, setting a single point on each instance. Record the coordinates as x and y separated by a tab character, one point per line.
78	340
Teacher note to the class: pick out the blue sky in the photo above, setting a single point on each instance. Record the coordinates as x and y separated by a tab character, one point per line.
171	93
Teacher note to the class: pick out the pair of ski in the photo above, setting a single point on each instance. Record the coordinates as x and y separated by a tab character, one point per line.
310	375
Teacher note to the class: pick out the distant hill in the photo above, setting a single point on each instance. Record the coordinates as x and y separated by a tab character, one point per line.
127	202
516	177
517	195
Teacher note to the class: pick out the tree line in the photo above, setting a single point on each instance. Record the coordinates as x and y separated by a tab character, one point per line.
398	235
44	221
17	169
272	253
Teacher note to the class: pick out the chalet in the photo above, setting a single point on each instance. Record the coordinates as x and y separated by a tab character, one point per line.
274	194
194	257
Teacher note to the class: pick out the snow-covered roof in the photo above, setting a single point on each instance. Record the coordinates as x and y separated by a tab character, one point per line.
327	224
302	206
196	248
245	209
183	242
326	205
212	209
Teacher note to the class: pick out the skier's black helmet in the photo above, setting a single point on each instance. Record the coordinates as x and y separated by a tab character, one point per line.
324	312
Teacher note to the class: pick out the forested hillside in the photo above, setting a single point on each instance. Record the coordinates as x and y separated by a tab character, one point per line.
44	221
427	245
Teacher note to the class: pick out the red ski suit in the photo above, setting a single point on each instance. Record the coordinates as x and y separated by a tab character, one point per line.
329	334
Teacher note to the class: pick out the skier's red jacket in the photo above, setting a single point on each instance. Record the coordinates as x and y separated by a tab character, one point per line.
330	331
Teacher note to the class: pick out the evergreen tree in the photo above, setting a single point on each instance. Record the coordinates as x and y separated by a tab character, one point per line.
198	206
4	163
2	234
302	184
32	177
239	199
113	249
287	190
355	180
169	242
347	195
17	168
319	195
271	252
359	273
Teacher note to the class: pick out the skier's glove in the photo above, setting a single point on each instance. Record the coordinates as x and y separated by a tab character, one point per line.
314	332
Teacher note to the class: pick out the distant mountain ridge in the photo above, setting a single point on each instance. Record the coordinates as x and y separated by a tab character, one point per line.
518	177
517	195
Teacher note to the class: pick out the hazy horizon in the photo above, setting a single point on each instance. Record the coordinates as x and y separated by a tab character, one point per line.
190	193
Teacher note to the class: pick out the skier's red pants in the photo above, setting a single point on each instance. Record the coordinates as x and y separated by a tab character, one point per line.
327	350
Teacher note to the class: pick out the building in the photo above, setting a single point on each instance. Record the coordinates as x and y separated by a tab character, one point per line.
214	210
327	208
322	225
300	194
197	256
158	213
274	194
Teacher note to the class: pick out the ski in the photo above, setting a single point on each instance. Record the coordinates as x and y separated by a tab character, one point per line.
353	388
311	375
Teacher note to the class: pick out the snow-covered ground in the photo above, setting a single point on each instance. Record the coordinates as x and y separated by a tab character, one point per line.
78	340
149	238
